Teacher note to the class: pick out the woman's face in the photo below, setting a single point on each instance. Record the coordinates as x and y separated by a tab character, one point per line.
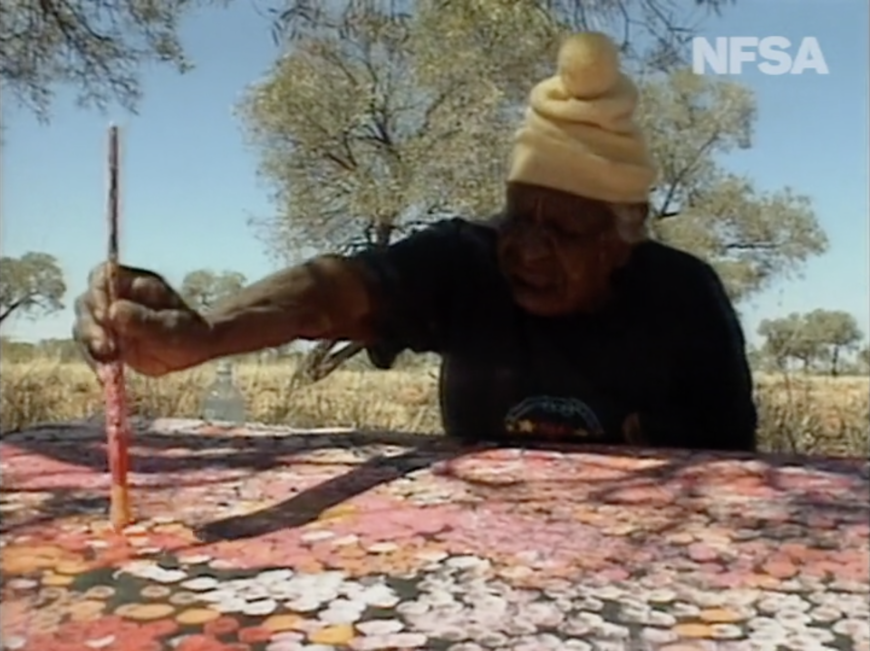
558	250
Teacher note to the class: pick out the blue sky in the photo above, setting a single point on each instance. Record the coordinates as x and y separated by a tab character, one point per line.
190	182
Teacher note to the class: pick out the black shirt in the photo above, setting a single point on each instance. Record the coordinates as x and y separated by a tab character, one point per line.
669	347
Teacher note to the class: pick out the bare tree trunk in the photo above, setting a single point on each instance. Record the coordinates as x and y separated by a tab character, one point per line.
6	313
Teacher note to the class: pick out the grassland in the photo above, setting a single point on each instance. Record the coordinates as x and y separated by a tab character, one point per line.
809	414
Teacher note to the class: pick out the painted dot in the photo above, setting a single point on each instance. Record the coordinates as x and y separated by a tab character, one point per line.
172	528
86	610
22	584
661	618
380	627
720	615
662	596
52	593
431	555
233	605
335	635
826	614
254	634
280	623
221	564
194	559
725	632
222	626
144	612
159	628
260	608
339	511
692	630
183	598
407	640
196	616
101	643
201	584
155	592
316	536
135	530
100	592
167	576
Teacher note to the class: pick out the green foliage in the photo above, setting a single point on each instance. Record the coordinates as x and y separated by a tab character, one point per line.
384	114
837	333
356	145
818	338
786	339
32	284
95	46
202	288
752	238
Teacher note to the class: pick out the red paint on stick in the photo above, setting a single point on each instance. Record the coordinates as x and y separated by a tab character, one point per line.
112	375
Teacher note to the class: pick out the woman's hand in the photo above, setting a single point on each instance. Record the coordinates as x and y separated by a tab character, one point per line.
149	326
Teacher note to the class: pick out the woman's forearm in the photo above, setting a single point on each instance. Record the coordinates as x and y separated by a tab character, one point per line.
325	298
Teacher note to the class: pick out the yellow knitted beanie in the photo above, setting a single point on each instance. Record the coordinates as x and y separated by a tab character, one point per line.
579	134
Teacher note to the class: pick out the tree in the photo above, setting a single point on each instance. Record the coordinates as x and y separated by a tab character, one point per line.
785	339
98	47
202	288
751	238
384	111
32	284
818	336
384	115
835	332
864	358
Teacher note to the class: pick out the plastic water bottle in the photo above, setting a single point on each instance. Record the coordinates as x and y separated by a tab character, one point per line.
223	401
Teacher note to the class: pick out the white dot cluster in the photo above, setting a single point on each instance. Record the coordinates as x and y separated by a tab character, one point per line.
457	600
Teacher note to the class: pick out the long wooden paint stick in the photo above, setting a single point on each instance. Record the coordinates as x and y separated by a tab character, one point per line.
114	385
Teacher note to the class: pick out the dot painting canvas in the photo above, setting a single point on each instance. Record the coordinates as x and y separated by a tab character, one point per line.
265	539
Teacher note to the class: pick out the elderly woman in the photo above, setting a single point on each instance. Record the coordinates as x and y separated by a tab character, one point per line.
556	319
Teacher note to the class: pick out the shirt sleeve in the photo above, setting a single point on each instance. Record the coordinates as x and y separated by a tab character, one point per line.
414	283
713	384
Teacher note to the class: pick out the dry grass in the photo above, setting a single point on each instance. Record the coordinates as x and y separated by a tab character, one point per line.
807	414
42	391
814	414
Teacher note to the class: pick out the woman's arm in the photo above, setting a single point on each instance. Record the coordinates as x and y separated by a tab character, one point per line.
328	297
402	294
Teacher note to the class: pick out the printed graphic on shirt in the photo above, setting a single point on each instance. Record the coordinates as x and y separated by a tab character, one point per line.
551	417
